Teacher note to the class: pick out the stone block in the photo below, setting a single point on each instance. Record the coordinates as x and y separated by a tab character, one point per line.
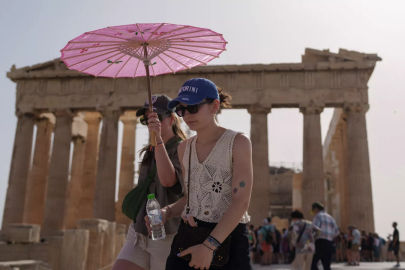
23	233
75	245
24	265
97	229
120	235
109	246
16	252
54	251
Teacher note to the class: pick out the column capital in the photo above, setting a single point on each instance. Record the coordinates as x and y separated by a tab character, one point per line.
356	107
92	117
129	117
258	110
111	112
311	109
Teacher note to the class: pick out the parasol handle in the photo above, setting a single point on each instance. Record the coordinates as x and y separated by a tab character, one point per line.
147	64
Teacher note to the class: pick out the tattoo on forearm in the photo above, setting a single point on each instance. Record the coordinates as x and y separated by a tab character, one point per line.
235	190
242	184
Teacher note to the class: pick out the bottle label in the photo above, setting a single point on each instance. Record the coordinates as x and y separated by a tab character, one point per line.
156	219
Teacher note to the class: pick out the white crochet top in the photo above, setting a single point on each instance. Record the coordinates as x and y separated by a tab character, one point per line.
211	180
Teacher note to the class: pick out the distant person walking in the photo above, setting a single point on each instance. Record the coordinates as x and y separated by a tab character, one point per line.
355	249
267	238
395	243
303	240
324	242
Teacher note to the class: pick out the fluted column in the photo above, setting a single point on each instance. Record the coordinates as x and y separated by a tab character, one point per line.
73	203
313	187
88	183
20	163
38	176
358	168
260	201
58	175
79	133
104	202
127	170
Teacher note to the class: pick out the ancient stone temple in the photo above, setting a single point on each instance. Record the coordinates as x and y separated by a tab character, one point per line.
68	198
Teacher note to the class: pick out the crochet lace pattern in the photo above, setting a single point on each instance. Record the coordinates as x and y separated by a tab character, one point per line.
211	184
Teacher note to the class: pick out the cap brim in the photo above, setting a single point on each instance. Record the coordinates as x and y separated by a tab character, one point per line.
156	110
186	99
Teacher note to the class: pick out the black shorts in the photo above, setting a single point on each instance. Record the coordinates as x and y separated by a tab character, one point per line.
239	255
396	249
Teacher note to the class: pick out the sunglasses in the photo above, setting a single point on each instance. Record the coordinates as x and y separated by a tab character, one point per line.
144	118
181	110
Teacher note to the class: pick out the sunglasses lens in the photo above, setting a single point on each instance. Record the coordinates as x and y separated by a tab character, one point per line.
193	109
180	111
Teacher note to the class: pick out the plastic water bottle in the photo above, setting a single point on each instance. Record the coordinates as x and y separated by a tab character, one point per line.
155	217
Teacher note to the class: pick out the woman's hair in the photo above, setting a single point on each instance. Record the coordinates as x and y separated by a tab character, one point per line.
224	99
177	130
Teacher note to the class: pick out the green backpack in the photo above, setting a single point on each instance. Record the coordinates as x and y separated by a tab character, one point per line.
135	199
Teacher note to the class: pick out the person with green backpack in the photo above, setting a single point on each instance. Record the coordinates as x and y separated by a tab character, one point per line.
268	238
160	174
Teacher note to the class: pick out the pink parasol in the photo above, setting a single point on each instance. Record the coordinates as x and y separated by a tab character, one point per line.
162	48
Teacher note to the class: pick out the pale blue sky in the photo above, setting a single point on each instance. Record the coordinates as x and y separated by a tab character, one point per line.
258	32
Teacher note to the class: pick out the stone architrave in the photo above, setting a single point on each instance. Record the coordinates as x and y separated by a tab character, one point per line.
127	170
20	164
104	202
38	176
358	168
259	207
97	228
313	187
79	133
55	203
88	181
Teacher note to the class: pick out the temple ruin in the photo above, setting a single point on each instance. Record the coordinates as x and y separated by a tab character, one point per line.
81	215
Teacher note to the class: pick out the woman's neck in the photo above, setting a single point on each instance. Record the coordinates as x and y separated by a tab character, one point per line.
209	134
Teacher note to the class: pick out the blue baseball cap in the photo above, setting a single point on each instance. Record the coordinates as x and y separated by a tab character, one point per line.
194	91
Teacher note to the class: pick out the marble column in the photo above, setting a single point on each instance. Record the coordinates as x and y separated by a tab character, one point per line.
38	176
74	193
79	133
358	168
104	200
88	182
260	201
56	194
127	170
313	186
20	164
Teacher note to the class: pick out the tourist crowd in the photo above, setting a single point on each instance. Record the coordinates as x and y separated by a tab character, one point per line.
298	244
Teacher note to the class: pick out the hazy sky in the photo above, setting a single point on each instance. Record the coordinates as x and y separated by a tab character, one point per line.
258	32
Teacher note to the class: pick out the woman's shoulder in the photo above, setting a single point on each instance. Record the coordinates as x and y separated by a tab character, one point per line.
241	141
182	146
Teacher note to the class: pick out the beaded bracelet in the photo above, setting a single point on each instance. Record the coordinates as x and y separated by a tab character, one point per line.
209	247
214	241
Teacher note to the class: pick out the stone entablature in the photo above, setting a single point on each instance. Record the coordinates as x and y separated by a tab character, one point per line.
327	79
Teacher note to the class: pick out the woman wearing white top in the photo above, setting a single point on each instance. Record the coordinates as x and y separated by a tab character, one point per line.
221	178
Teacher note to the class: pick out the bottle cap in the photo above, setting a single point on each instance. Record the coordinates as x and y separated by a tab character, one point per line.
151	196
